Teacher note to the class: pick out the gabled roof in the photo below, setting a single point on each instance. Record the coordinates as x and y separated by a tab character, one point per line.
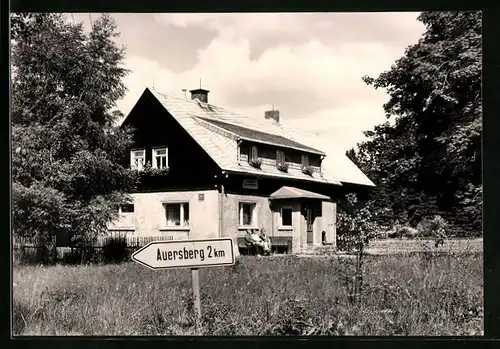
217	131
296	193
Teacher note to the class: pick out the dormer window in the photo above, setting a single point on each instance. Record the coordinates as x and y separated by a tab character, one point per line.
281	163
253	158
306	169
254	153
280	157
137	159
305	161
160	158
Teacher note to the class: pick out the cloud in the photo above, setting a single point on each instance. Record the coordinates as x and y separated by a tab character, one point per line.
343	126
244	25
309	66
387	27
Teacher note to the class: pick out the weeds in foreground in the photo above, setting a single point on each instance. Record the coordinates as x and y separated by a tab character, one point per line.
421	294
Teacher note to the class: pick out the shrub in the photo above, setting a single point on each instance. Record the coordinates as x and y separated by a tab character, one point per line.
395	232
81	255
43	254
345	240
409	232
115	250
355	228
400	231
432	227
23	255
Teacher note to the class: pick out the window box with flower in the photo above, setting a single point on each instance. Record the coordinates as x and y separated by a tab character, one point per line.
282	166
307	170
151	171
281	163
257	163
253	157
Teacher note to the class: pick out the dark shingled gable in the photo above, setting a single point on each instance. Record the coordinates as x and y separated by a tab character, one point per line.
258	136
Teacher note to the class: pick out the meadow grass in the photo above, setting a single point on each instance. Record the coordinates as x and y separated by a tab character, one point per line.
390	246
417	294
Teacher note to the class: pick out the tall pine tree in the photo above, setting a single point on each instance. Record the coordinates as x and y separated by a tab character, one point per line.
67	152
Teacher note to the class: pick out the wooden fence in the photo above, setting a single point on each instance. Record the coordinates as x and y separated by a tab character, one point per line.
36	251
132	241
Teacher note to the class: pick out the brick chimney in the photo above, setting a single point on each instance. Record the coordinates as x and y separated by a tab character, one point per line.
201	94
272	114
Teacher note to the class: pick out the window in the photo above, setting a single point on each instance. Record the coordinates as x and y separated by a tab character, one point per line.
177	215
254	153
280	157
305	161
125	219
127	208
247	214
286	217
137	159
160	156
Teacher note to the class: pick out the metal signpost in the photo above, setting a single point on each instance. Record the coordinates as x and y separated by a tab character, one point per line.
193	254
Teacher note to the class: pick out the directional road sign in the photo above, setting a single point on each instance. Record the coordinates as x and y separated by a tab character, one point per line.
186	254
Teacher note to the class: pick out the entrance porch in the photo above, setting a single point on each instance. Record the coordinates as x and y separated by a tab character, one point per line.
307	217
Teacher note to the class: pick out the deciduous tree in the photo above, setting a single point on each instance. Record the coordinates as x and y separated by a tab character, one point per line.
427	157
67	172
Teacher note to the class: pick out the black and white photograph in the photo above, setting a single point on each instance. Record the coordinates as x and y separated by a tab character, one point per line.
246	174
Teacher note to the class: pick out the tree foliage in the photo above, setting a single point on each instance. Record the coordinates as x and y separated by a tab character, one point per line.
426	159
67	150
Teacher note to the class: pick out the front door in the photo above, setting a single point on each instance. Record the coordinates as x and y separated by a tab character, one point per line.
309	226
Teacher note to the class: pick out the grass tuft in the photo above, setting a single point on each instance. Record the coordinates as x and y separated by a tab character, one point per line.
413	294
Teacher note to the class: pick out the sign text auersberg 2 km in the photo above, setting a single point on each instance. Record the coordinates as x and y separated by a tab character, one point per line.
186	254
192	254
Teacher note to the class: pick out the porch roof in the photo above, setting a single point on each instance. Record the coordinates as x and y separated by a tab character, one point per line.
296	193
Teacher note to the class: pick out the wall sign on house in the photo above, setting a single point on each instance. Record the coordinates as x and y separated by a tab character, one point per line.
250	184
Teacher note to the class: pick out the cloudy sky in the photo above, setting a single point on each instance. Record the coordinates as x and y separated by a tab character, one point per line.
309	66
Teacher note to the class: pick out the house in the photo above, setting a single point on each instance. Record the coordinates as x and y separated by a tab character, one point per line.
209	173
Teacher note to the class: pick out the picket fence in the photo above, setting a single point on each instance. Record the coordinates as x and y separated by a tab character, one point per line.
132	241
